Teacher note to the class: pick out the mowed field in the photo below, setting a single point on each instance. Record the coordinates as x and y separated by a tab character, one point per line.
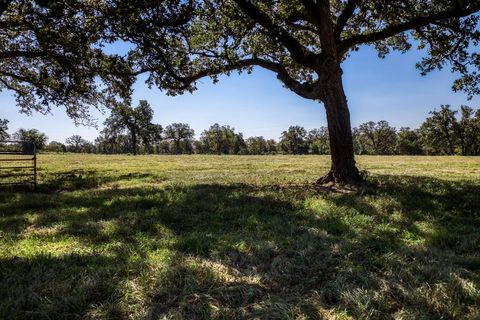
241	237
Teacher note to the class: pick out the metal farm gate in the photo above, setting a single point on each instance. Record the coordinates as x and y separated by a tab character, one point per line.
18	163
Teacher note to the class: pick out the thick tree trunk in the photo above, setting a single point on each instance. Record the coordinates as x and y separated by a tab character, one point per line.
343	170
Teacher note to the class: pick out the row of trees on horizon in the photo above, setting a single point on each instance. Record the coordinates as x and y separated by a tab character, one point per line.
131	130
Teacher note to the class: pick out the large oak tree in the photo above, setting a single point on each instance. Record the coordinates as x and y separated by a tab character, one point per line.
303	42
51	51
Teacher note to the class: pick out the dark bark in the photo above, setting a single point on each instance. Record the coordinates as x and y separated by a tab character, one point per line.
464	146
343	170
133	132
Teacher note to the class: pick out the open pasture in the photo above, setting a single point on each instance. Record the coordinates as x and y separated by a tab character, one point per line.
241	237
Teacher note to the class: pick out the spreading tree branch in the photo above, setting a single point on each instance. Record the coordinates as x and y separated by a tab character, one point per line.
298	52
308	91
344	16
413	23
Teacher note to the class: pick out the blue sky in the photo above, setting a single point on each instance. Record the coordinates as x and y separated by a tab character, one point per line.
390	89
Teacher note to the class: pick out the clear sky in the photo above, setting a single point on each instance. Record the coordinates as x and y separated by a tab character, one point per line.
257	104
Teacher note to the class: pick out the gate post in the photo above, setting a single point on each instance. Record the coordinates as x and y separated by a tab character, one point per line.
34	166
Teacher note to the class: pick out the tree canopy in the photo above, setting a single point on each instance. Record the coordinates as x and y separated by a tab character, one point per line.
179	42
3	129
468	131
75	143
294	140
180	136
31	135
318	141
51	56
221	140
55	146
136	121
438	131
375	138
408	142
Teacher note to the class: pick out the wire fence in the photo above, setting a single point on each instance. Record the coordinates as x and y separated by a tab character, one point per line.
18	163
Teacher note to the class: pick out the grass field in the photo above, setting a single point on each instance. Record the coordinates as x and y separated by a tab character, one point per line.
241	237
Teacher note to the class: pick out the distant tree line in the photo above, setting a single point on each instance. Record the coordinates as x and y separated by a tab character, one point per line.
130	130
445	132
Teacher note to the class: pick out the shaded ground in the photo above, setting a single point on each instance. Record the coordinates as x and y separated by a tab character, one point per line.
241	238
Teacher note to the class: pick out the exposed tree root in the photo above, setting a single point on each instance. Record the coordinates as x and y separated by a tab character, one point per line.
344	182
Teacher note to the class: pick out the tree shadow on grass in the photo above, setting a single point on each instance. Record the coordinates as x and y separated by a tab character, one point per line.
426	239
77	179
196	226
450	208
241	251
87	179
